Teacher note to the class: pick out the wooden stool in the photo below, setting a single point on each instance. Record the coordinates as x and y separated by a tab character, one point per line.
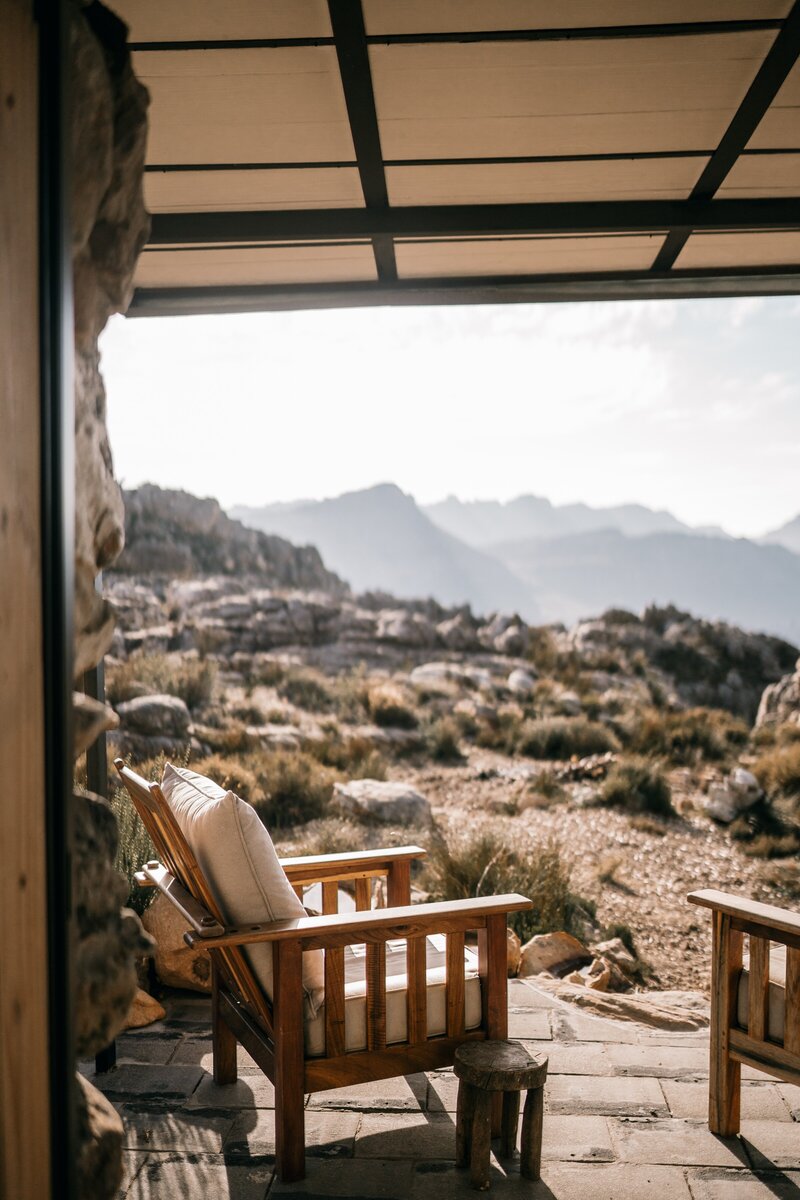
484	1069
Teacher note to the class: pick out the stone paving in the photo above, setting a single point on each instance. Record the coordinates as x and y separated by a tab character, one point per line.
624	1120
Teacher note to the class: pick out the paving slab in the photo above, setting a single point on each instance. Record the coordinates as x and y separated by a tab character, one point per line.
406	1093
154	1049
600	1095
198	1051
575	1139
249	1091
370	1179
659	1061
760	1101
680	1143
522	994
529	1023
406	1135
585	1058
560	1181
575	1026
327	1135
156	1128
199	1177
715	1184
442	1092
139	1079
791	1095
772	1144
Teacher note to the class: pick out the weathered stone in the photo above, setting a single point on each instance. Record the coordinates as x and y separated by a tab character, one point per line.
780	701
740	791
457	633
90	719
405	628
376	800
177	965
551	951
144	1010
514	952
100	1134
156	716
520	682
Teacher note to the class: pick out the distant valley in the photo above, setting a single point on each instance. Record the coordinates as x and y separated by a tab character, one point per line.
547	562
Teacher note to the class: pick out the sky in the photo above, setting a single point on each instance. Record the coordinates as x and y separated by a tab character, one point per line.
692	406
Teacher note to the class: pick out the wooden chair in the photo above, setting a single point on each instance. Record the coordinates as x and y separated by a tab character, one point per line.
273	1031
755	1005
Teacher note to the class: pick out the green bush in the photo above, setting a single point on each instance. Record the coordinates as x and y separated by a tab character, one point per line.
639	786
687	737
564	737
191	679
485	864
134	848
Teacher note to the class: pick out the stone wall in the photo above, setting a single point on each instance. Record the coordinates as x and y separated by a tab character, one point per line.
109	227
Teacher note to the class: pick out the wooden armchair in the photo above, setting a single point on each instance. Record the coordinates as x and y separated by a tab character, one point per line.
274	1032
755	1005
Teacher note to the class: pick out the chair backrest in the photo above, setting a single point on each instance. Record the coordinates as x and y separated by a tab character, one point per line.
177	856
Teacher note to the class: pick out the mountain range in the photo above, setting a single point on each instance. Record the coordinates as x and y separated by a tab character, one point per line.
547	562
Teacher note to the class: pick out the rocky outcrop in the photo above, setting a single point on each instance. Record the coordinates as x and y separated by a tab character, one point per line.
175	534
780	703
387	803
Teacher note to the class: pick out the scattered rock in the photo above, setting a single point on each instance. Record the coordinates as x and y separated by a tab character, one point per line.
553	952
569	704
144	1011
725	801
457	633
514	950
377	800
156	716
405	628
617	952
521	683
177	965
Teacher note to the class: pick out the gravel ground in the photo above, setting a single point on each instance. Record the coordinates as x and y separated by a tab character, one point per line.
651	869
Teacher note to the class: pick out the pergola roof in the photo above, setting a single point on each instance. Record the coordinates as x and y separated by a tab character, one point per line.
305	154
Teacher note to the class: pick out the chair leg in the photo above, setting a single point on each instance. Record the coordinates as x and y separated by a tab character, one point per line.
480	1150
290	1136
508	1135
725	1075
287	962
223	1039
532	1120
465	1113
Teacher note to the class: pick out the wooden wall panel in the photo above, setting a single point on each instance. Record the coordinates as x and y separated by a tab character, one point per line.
24	1086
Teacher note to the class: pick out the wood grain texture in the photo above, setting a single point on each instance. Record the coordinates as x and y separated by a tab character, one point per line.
724	1071
500	1066
24	1089
417	992
334	1002
454	983
376	996
330	898
398	884
289	1053
508	1131
223	1039
465	1112
791	1032
768	915
367	1066
530	1166
764	1056
758	988
363	894
481	1141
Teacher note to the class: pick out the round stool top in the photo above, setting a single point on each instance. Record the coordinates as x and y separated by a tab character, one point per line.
500	1066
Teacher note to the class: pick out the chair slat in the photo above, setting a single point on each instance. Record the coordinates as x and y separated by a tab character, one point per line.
758	988
376	995
398	884
455	983
334	1002
417	995
791	1035
297	888
363	894
330	898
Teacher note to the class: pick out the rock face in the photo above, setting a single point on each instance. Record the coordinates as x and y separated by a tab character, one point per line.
781	701
389	803
109	228
154	716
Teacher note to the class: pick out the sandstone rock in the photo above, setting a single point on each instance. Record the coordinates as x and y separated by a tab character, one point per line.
725	801
177	965
514	952
671	1011
780	701
552	952
615	950
436	675
90	719
100	1136
376	800
521	683
156	716
512	641
144	1010
155	639
457	633
405	628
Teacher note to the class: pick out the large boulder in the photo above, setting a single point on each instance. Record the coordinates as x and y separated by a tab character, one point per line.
377	800
725	801
177	965
780	701
156	716
554	953
405	628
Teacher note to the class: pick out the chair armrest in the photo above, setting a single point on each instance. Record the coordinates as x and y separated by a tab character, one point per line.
375	925
201	920
750	915
329	867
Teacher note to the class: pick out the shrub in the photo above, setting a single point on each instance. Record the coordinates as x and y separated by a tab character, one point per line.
638	786
764	831
355	756
296	788
308	690
388	710
564	737
501	734
778	771
484	864
688	737
442	741
190	678
251	714
233	774
134	848
351	696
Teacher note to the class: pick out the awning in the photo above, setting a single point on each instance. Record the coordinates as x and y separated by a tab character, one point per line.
307	154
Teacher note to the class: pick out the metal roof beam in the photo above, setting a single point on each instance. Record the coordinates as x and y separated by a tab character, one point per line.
481	220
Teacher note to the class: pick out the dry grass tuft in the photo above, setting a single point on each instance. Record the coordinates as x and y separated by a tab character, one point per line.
639	786
192	679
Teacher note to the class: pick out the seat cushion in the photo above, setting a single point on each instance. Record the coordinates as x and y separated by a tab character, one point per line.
776	1003
355	997
238	860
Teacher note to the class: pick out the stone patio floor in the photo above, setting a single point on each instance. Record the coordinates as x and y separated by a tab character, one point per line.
624	1120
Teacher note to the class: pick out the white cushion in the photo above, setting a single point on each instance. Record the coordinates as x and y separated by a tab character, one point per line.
355	998
776	994
238	860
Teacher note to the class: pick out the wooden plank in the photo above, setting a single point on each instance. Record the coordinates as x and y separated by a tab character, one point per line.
791	1032
493	968
376	925
764	1056
376	996
363	894
322	1074
758	988
772	919
192	911
381	858
289	1053
417	992
248	1032
334	1002
454	985
398	884
298	891
330	898
724	1085
24	1066
222	1036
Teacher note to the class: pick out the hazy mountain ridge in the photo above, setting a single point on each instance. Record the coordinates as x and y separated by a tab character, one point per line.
787	535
